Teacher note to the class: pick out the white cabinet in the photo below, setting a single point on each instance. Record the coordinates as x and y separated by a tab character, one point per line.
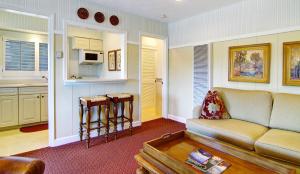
80	43
44	107
29	108
95	45
8	110
87	44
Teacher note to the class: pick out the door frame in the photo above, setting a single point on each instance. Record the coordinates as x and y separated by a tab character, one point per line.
51	66
165	70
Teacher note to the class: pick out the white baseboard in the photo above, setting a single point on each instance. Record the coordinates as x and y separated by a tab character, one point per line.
94	133
177	118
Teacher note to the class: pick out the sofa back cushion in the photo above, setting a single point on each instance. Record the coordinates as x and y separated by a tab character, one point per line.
286	112
247	105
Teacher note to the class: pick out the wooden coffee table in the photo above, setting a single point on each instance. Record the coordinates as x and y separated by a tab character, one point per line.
168	153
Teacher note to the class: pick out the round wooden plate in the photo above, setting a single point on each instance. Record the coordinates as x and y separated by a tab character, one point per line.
99	17
83	13
114	20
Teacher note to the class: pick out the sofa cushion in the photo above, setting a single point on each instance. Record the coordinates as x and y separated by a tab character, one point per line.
247	105
280	144
286	112
237	132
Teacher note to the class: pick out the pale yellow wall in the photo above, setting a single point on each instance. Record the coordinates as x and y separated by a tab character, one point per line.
12	21
181	82
220	62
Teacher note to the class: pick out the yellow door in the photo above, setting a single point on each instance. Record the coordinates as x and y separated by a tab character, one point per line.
149	87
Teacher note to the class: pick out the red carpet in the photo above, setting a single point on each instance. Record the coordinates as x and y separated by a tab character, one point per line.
35	128
115	157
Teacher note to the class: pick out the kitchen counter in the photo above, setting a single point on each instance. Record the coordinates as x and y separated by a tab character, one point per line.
20	85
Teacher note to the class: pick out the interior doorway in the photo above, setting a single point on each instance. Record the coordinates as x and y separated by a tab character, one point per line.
26	100
153	78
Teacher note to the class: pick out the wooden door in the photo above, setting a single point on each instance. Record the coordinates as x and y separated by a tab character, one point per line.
29	108
9	110
148	89
44	107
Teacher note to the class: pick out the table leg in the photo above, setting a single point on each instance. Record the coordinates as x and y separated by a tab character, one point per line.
107	122
88	127
80	121
130	116
115	119
99	119
122	114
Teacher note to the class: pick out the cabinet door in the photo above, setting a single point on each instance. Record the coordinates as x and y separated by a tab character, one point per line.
95	45
29	109
8	111
44	107
80	43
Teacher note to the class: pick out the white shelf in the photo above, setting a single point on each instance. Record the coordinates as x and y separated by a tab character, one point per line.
92	81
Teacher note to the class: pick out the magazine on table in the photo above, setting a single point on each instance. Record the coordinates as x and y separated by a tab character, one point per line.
206	162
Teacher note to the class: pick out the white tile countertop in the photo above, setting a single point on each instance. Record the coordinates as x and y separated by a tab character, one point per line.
20	84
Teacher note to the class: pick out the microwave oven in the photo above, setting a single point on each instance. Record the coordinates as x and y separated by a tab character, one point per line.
88	57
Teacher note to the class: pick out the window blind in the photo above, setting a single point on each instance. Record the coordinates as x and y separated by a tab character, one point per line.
19	55
43	57
12	55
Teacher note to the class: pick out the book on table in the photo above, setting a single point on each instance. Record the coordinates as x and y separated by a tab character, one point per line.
206	162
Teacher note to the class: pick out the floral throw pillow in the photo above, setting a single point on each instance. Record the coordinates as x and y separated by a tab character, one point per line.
213	107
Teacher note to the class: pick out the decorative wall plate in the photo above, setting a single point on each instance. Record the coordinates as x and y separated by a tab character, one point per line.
99	17
114	20
83	13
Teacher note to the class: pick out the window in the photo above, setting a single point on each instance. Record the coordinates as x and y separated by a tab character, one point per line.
43	57
19	56
24	56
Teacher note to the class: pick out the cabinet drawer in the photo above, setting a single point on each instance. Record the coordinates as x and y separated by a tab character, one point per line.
8	91
33	90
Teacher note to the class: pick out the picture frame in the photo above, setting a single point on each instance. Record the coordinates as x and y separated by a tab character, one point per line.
118	60
250	63
112	60
291	63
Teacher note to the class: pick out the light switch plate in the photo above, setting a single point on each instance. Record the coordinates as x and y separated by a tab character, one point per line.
59	54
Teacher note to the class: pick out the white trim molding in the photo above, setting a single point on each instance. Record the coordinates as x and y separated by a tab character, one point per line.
179	119
76	138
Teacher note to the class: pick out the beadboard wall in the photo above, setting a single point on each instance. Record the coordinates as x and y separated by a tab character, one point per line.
67	10
248	17
220	62
67	97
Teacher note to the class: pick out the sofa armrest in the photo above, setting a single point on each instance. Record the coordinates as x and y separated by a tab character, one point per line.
21	165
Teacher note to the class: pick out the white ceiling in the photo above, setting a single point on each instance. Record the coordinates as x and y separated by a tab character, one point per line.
173	9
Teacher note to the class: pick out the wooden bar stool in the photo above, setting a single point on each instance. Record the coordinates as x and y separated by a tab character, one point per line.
121	98
88	103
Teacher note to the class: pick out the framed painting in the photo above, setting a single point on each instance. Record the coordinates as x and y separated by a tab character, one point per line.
291	63
112	61
118	61
250	63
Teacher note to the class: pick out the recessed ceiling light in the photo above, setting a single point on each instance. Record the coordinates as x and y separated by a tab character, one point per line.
178	0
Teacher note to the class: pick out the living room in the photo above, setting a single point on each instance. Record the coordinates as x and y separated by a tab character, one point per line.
111	88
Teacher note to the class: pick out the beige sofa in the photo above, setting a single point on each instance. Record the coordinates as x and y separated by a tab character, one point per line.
266	123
